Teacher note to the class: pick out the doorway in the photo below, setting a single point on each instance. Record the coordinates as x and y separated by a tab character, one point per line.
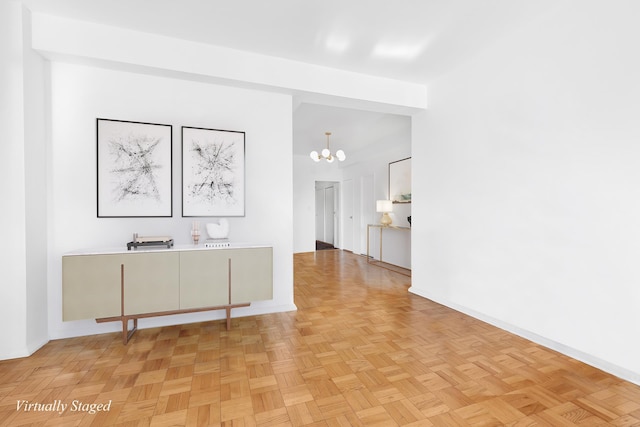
326	211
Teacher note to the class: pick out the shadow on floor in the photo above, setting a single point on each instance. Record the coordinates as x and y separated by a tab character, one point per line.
322	245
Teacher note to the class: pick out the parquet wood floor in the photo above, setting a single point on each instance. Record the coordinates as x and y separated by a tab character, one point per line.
360	351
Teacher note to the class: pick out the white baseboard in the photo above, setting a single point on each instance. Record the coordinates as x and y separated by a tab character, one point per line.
32	347
14	354
29	349
625	374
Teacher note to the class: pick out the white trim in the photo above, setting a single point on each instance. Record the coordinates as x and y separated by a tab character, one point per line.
603	365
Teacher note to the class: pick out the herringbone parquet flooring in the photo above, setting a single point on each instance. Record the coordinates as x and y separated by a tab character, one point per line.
360	351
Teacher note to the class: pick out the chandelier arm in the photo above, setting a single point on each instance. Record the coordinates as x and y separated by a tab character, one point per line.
326	153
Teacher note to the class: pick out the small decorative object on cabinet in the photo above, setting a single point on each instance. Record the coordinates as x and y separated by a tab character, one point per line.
139	241
218	234
195	232
219	230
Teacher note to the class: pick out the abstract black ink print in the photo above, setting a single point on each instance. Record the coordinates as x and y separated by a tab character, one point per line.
135	167
213	172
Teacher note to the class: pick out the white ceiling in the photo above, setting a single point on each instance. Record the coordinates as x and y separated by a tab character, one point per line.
412	40
351	130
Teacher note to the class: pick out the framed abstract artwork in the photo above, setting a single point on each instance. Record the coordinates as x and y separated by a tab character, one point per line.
212	172
134	169
400	181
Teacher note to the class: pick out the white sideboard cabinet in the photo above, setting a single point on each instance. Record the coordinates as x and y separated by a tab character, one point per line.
129	285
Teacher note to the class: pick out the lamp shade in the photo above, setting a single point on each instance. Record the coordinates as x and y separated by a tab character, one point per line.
384	206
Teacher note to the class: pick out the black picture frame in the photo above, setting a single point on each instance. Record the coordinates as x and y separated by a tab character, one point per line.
213	172
134	169
400	181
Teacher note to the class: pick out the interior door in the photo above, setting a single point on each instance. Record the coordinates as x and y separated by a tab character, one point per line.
320	214
329	215
347	216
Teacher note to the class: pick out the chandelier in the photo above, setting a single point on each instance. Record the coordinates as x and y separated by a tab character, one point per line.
326	153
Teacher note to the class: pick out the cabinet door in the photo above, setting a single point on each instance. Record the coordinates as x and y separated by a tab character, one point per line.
204	278
251	274
90	286
151	282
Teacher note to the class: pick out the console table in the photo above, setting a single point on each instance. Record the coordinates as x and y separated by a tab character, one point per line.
382	263
120	285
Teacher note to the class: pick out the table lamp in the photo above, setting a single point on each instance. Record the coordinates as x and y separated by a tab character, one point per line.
384	206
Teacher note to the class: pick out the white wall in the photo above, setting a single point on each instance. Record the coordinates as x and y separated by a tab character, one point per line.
36	179
22	189
12	184
80	94
527	194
